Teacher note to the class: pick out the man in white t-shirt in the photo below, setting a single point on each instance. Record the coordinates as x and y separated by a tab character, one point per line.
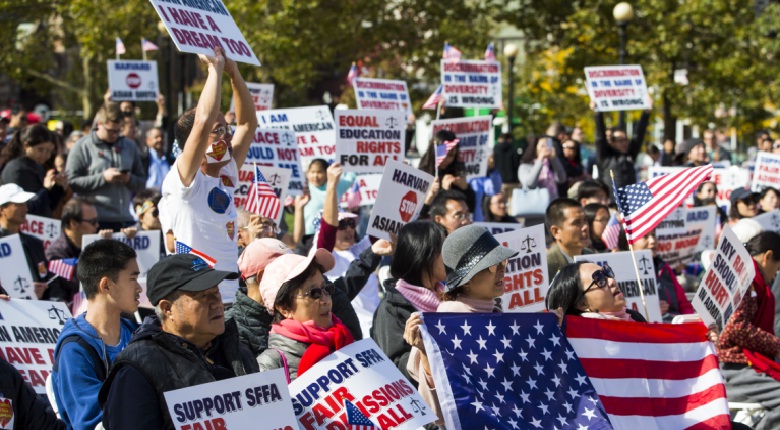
197	211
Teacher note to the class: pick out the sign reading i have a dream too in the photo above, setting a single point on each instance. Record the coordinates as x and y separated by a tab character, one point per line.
473	141
314	130
277	148
471	83
367	139
616	88
199	26
399	200
133	80
16	276
526	280
382	94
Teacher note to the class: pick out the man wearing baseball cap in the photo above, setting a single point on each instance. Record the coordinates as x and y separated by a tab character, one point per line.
188	342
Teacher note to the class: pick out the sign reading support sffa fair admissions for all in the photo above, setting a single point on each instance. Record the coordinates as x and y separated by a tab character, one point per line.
313	127
133	80
767	172
258	400
399	200
356	385
28	332
199	26
367	139
616	88
382	94
471	83
526	280
473	141
277	148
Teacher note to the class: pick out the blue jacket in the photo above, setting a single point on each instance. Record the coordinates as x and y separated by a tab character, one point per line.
76	384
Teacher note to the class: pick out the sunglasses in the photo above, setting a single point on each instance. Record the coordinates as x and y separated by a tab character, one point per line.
223	130
349	222
600	279
316	293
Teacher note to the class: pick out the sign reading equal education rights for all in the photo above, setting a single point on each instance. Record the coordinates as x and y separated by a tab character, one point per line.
367	139
616	88
526	280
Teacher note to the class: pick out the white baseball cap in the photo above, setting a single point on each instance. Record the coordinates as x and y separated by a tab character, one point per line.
12	193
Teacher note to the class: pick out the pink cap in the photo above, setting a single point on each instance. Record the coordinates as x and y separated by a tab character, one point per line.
287	267
346	215
259	254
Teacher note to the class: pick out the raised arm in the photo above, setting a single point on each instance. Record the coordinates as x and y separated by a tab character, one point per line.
246	118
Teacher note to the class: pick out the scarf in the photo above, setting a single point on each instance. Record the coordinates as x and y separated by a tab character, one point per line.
620	315
477	306
423	299
547	179
322	342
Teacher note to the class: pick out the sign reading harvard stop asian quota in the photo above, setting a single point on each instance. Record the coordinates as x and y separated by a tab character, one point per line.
133	80
399	200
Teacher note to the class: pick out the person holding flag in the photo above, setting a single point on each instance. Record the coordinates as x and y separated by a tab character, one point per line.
441	160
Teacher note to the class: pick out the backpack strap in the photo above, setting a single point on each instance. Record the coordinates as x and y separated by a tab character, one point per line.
98	365
284	361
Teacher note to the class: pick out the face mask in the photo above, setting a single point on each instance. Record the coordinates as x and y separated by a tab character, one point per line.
127	114
217	152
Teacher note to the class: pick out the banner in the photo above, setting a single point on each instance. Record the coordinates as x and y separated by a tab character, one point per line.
699	235
146	244
499	227
368	186
403	190
617	88
471	83
278	179
199	26
262	96
367	139
15	277
28	332
725	282
278	148
133	80
45	229
361	376
314	130
474	140
234	404
526	280
382	94
767	171
625	276
768	220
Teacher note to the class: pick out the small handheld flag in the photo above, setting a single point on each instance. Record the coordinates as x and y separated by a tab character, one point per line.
353	73
63	268
611	233
262	199
434	99
490	53
120	47
148	46
443	149
451	52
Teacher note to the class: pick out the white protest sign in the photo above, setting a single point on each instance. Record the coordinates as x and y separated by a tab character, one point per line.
367	139
262	96
471	83
699	234
399	200
133	80
499	227
473	141
45	229
199	26
769	220
28	332
243	402
16	277
368	186
674	223
526	280
313	127
625	276
382	94
767	173
277	148
146	244
361	374
277	178
726	281
616	88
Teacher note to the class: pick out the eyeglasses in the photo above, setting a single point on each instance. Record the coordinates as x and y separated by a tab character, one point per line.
112	130
460	216
600	278
223	130
568	146
349	222
316	293
93	221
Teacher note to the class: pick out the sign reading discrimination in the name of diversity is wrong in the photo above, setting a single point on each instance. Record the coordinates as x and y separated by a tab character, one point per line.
45	229
382	94
145	243
615	88
277	148
399	200
262	96
526	280
313	127
258	400
133	80
699	235
767	173
725	282
367	139
474	141
625	276
471	83
499	227
769	220
16	276
277	178
357	384
28	332
368	187
199	26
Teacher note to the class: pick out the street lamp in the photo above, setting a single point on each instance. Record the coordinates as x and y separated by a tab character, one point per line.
623	13
510	52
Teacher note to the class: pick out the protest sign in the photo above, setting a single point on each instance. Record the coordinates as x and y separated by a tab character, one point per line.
146	244
625	276
234	404
399	200
277	178
526	280
471	83
368	187
277	148
45	229
28	332
199	26
133	80
674	223
262	96
725	282
367	139
357	376
473	141
499	227
699	234
382	94
767	172
616	88
16	276
314	130
769	220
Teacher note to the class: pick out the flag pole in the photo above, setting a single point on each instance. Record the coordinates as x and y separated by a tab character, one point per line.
438	109
143	51
257	208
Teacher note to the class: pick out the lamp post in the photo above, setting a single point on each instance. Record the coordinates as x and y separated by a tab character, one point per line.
623	13
510	52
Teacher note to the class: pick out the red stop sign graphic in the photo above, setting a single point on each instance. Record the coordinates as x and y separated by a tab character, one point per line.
408	205
133	80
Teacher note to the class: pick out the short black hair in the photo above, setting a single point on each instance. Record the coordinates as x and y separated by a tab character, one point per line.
323	164
555	212
565	289
146	194
285	297
764	241
72	210
439	203
106	257
590	188
419	244
183	127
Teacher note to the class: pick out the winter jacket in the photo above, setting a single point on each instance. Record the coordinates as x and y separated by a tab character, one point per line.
388	327
622	165
292	349
29	175
252	320
30	412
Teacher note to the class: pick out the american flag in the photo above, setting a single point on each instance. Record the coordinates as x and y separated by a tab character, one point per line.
353	73
262	199
148	46
355	419
120	47
611	232
508	371
443	149
184	249
63	268
434	99
652	376
645	204
451	52
490	53
79	304
352	198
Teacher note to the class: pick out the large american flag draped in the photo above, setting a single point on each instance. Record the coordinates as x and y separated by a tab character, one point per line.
611	232
508	371
652	376
262	199
645	204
